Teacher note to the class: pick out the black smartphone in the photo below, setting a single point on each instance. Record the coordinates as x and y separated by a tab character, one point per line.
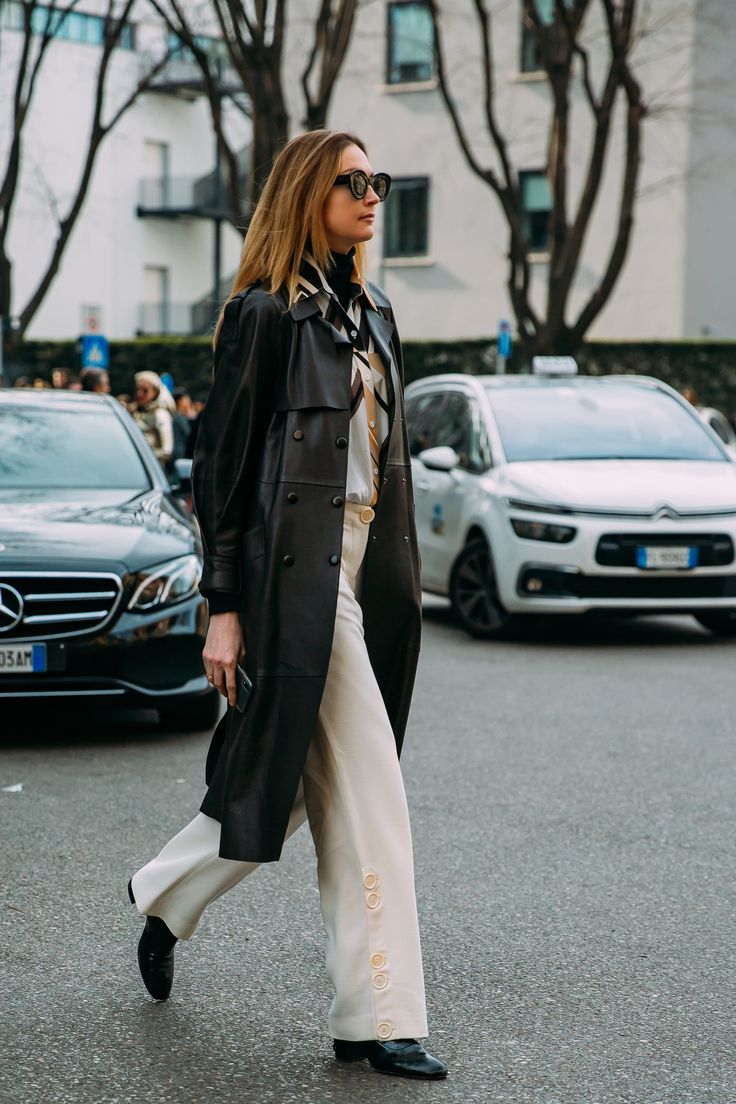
244	688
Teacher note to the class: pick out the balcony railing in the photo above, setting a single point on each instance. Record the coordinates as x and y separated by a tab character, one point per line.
173	196
183	76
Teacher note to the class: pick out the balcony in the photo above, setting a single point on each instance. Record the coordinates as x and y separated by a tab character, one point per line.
182	76
176	197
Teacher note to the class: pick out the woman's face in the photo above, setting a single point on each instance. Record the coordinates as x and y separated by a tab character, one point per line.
349	220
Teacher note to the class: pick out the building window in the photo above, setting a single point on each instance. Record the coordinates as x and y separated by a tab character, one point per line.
407	218
69	26
410	55
531	60
536	208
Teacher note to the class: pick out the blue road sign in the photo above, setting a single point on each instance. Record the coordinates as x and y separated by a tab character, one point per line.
504	339
95	351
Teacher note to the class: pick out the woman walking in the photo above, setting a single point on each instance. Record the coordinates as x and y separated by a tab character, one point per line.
302	487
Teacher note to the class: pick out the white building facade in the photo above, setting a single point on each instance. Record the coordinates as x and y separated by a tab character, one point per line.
145	258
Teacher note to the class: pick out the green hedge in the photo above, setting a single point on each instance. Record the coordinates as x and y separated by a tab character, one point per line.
708	366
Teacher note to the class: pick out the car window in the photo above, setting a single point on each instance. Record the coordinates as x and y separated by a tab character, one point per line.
598	422
80	448
423	417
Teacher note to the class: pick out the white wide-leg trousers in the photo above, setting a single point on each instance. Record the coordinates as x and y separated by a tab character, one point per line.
352	793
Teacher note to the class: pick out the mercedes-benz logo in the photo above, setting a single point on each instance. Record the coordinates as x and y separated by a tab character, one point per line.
11	607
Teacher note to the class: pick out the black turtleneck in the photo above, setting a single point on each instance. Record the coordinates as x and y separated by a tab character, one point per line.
339	276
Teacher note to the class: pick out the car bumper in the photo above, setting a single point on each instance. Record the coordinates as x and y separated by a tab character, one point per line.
141	661
541	577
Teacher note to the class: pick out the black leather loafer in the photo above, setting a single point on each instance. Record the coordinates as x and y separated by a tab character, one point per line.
400	1057
156	955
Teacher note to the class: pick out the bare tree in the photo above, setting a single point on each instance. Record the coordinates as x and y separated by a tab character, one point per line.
254	38
33	51
560	46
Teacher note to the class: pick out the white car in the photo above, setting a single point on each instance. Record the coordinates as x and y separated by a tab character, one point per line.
548	495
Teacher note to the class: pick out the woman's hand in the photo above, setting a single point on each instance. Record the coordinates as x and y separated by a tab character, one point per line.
223	649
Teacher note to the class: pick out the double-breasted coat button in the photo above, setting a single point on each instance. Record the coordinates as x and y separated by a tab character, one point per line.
370	881
378	960
298	434
373	900
380	981
342	442
338	500
288	561
334	558
291	497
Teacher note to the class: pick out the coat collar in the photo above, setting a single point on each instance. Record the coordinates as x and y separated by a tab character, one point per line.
313	281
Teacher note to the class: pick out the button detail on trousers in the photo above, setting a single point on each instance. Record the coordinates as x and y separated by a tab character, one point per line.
378	960
380	981
370	881
385	1030
373	900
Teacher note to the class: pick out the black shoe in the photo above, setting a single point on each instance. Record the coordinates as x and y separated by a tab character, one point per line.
156	955
401	1057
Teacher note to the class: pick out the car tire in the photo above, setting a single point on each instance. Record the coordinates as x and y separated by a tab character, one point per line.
196	715
474	597
722	624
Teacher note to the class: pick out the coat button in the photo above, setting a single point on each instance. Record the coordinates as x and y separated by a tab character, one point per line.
291	497
298	434
337	500
380	981
378	960
342	442
385	1030
288	561
373	900
370	881
334	558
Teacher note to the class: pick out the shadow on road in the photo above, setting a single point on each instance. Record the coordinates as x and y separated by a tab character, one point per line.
587	630
39	726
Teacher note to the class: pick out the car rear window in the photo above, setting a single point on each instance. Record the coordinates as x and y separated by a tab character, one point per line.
50	447
600	422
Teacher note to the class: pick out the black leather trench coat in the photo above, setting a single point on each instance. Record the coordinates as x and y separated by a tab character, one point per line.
269	478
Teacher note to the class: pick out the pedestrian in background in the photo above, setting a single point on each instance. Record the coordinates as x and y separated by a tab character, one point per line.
182	419
302	489
150	409
96	380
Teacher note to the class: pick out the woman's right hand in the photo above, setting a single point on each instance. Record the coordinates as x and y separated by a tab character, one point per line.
223	649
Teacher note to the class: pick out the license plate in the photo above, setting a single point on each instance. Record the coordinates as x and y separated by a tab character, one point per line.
663	557
22	659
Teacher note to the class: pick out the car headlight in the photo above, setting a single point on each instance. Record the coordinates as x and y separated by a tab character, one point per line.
165	583
542	531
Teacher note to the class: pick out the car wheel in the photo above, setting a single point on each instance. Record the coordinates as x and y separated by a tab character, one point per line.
196	715
473	594
722	624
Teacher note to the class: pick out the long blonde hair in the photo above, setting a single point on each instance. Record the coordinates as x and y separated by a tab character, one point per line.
290	211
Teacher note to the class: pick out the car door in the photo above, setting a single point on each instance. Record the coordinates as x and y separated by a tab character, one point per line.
443	499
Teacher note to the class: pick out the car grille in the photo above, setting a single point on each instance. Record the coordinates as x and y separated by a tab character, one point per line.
56	603
619	549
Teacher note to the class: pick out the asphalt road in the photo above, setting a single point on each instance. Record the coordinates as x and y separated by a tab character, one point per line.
572	796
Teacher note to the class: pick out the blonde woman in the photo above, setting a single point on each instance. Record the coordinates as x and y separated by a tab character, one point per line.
302	486
152	411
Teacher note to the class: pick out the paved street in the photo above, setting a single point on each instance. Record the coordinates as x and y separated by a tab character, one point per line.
572	796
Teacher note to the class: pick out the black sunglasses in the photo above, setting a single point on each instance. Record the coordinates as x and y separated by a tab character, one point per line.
359	182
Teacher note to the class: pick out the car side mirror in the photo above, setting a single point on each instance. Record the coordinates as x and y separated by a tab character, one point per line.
441	458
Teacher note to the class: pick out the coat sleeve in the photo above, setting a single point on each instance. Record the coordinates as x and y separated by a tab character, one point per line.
248	357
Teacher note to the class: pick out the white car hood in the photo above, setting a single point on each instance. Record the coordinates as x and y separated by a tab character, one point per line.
642	486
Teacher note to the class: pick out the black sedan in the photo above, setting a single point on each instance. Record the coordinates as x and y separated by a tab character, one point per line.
100	562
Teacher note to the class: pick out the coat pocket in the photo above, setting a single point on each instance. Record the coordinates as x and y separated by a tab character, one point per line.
254	543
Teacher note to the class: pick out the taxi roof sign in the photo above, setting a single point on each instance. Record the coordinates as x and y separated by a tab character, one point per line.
554	366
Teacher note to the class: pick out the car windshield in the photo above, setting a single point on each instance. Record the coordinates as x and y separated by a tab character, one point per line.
45	446
598	422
